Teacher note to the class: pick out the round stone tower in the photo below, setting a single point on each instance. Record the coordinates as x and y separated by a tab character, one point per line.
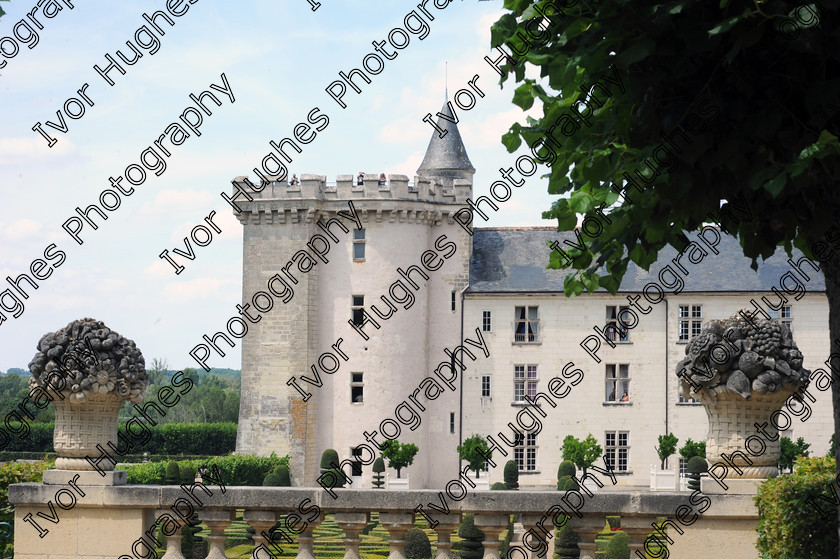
317	373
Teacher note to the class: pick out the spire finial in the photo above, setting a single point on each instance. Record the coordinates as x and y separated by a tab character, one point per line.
446	86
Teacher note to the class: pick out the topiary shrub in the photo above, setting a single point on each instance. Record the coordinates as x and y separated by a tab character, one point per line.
328	458
498	486
618	546
284	477
567	483
793	518
566	542
378	478
505	545
187	473
696	466
271	480
511	475
566	468
173	473
471	546
417	545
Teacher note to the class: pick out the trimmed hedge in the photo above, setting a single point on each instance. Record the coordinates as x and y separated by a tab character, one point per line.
234	470
797	514
169	438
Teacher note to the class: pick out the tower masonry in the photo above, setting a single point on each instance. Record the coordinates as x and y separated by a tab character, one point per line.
310	379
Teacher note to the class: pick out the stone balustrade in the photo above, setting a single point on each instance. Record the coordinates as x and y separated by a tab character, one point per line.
108	521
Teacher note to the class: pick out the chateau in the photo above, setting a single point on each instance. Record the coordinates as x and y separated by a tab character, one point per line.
409	297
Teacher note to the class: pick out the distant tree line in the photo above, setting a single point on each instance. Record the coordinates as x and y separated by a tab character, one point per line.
214	397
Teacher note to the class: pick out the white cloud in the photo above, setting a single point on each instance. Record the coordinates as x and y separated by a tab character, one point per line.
167	201
13	150
20	229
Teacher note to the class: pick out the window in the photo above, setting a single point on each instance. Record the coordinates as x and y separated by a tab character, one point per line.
617	387
683	467
523	384
357	388
358	309
527	324
358	245
451	422
485	386
615	331
525	452
617	450
356	462
453	301
785	314
690	320
486	322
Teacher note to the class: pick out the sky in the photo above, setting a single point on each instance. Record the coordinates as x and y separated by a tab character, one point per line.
278	57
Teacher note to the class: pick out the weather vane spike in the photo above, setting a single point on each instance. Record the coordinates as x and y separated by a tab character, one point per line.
446	79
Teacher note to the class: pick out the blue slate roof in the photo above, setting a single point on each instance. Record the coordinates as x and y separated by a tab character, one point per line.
514	260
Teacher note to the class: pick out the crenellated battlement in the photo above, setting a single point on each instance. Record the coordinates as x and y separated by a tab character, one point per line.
397	187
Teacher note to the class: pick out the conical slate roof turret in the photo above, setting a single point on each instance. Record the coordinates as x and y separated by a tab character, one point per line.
446	158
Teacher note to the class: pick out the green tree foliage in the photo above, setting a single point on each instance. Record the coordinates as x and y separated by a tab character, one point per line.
832	446
667	447
691	449
475	452
796	513
582	453
397	454
511	474
284	476
236	470
213	398
790	451
2	12
725	108
696	465
417	544
499	486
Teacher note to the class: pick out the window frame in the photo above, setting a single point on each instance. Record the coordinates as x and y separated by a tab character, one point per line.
357	384
524	382
486	321
612	328
354	307
359	241
612	452
616	378
525	451
689	321
486	389
530	326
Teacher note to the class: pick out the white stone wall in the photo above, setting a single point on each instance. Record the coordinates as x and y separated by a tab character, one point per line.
563	324
400	224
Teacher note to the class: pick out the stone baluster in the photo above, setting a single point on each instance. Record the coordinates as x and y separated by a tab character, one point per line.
638	528
587	528
446	524
397	524
173	542
305	539
217	521
352	523
492	525
261	521
534	535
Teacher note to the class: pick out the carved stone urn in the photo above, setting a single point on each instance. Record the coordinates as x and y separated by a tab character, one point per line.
88	371
743	369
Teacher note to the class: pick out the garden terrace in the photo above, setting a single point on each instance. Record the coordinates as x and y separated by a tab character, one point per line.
107	521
